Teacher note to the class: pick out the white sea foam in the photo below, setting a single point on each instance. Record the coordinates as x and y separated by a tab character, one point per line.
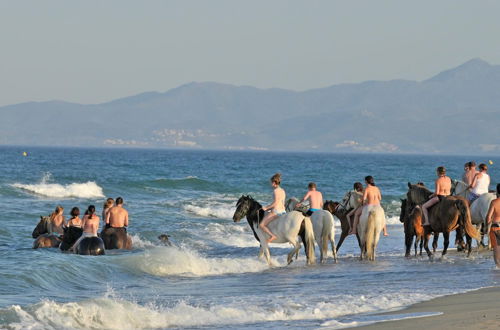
220	211
165	261
113	313
88	189
393	220
232	234
138	242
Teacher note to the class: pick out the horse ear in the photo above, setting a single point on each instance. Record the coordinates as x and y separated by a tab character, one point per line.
409	184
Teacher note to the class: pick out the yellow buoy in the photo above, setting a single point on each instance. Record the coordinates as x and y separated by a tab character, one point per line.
491	162
25	153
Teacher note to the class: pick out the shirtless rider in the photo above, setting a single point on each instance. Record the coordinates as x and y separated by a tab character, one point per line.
493	217
117	216
371	196
277	207
443	189
315	199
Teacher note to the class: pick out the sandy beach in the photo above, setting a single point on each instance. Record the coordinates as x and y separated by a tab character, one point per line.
472	310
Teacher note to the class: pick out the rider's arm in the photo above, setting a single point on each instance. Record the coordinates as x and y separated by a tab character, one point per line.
474	181
306	197
489	215
365	197
107	217
126	220
438	186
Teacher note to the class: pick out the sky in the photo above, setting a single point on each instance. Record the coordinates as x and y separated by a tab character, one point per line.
95	51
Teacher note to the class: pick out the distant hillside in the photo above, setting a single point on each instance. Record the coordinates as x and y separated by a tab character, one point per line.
456	111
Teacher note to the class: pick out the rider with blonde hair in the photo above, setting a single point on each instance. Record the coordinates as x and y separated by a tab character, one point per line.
276	208
57	220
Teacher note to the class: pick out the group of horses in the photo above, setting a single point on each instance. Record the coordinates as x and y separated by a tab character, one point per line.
108	239
319	227
453	213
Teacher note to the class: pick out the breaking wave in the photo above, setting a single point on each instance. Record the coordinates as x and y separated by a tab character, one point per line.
165	261
115	313
89	189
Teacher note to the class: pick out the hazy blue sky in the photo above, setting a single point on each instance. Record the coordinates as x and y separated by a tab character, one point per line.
94	51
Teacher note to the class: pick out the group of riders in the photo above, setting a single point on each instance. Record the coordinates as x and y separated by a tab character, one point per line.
477	182
371	196
114	215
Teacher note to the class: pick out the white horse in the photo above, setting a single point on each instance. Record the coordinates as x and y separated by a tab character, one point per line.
460	188
323	227
286	228
371	223
478	208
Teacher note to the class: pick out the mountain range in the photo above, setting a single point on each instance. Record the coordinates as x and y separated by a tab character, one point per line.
457	111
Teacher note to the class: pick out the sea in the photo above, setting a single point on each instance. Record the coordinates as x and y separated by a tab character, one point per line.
211	276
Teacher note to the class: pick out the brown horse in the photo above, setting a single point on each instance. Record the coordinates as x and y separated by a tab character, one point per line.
411	217
44	238
116	238
340	212
452	213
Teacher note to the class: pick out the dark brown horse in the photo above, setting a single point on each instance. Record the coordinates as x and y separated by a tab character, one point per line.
116	238
412	219
340	212
44	238
452	213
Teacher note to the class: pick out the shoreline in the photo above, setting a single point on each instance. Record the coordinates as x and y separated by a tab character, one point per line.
476	309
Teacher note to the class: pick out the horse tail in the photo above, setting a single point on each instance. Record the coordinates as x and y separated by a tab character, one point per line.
370	235
417	222
465	219
308	240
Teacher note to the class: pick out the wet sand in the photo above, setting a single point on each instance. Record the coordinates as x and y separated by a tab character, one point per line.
478	309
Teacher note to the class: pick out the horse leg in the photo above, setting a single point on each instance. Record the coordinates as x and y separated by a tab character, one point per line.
435	242
408	241
481	230
421	244
343	235
295	250
320	245
446	236
469	244
298	250
427	236
334	250
261	251
416	244
267	254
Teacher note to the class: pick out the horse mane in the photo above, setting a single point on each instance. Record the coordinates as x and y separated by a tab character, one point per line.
418	194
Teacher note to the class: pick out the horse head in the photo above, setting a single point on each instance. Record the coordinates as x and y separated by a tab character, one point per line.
242	207
331	206
459	188
291	205
417	194
403	214
42	227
